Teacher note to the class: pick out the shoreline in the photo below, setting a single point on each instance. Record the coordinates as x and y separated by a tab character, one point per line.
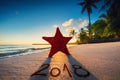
23	52
101	60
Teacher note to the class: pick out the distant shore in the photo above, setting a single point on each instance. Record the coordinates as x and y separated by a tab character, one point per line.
73	43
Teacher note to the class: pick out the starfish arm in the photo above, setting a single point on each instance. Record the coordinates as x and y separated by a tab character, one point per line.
58	33
67	39
49	39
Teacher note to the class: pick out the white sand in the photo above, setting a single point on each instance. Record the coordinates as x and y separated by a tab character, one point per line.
101	60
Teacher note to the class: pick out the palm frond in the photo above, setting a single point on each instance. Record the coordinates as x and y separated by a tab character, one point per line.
102	16
94	5
83	9
102	8
81	3
108	2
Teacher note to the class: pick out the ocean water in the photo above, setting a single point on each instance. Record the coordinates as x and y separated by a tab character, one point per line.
17	50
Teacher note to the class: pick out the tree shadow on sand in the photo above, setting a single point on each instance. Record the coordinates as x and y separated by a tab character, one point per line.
39	74
70	69
79	72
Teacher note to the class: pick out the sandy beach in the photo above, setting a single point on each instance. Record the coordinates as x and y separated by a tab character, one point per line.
99	61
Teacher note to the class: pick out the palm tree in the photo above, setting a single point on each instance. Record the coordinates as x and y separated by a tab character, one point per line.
73	33
105	17
82	37
88	5
113	13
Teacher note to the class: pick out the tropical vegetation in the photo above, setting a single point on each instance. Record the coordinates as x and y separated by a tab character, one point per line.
107	28
88	5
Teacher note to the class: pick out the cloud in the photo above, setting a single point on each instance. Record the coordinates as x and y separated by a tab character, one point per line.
68	23
82	23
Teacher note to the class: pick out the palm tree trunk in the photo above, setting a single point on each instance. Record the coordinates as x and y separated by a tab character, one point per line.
89	26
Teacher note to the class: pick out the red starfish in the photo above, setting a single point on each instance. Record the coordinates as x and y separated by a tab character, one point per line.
58	43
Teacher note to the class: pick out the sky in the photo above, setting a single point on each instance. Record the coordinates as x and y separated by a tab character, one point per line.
27	21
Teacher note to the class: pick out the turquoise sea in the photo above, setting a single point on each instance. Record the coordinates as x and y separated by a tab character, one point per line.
16	50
